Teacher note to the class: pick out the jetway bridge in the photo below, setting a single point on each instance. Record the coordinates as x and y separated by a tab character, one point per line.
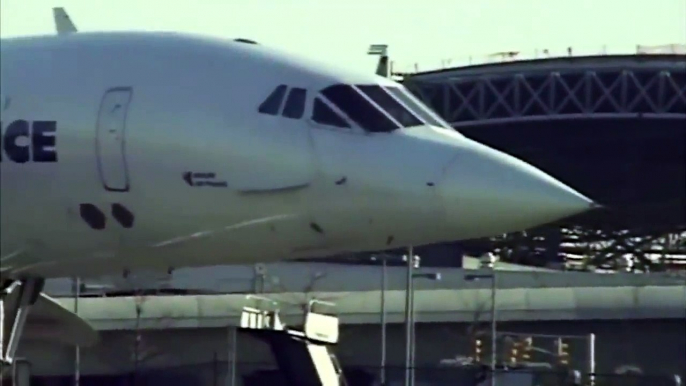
612	127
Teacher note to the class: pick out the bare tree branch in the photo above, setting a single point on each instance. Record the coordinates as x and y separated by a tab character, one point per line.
474	328
302	298
142	350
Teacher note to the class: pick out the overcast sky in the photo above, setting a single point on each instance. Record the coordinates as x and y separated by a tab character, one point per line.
418	31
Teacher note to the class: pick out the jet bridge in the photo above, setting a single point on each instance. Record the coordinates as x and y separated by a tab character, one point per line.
303	353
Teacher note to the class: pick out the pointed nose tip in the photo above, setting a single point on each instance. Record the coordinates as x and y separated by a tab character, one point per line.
487	193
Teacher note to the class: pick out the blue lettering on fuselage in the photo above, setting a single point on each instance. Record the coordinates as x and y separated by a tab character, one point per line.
24	141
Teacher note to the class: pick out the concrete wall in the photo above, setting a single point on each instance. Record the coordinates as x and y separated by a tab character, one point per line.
437	305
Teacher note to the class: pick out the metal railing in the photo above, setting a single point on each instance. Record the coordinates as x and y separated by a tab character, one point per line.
515	56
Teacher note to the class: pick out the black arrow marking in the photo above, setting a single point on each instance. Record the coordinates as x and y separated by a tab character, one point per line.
188	177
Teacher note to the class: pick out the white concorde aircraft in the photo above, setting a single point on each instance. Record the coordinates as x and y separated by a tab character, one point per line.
137	150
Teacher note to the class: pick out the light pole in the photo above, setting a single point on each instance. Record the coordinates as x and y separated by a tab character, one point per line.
494	332
435	276
76	289
409	313
409	258
383	322
382	370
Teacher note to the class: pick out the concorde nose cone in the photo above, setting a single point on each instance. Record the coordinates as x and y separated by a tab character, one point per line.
487	193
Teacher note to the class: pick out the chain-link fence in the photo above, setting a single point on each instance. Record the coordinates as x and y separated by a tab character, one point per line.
260	374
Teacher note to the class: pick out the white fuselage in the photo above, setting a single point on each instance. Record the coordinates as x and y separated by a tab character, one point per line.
167	128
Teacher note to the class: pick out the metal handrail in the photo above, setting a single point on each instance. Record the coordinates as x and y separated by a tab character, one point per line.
267	300
311	304
517	56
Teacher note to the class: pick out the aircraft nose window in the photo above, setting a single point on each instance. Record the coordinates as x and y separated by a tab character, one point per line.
321	113
417	107
295	104
272	104
359	109
399	112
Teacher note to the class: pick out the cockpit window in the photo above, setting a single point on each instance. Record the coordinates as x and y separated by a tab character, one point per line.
391	105
295	103
417	107
359	109
321	113
272	104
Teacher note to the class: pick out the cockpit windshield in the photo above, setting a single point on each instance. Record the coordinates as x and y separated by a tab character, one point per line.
417	107
378	108
360	109
323	114
391	105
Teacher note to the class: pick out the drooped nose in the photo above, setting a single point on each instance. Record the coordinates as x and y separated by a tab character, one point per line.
487	193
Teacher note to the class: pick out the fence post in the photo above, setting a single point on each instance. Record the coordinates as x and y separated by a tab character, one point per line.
232	354
591	359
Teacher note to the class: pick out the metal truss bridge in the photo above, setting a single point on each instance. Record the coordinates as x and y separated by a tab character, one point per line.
613	127
561	88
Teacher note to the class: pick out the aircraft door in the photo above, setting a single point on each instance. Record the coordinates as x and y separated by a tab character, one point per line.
110	139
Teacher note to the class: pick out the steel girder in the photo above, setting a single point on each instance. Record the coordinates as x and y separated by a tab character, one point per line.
552	95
